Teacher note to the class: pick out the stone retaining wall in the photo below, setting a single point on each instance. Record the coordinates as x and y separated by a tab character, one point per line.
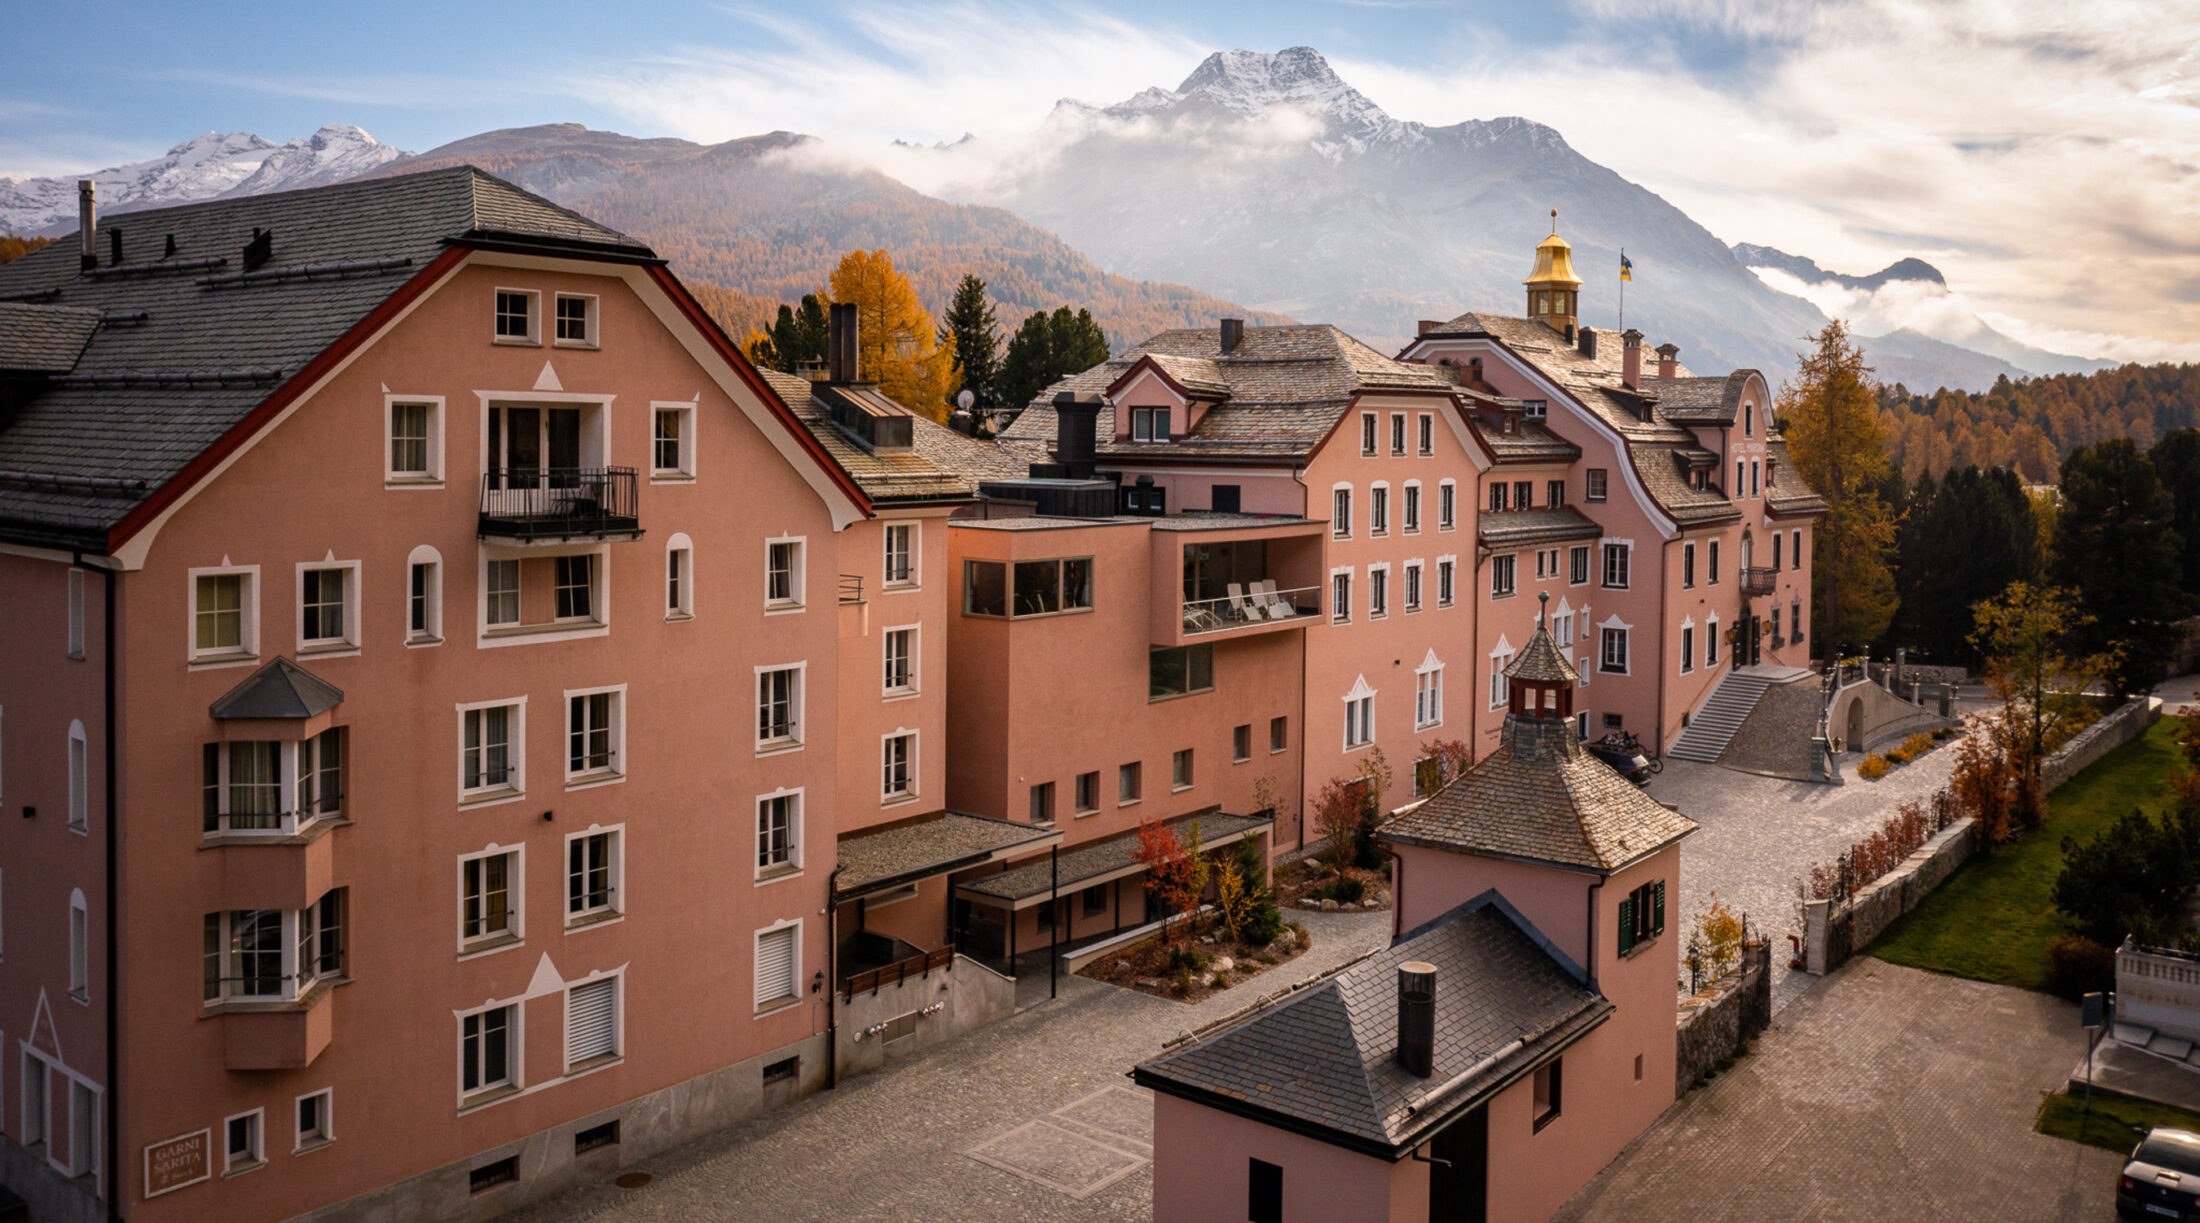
962	999
2128	722
1723	1016
1831	935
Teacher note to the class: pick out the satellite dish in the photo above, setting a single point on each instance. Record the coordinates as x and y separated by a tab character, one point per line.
964	399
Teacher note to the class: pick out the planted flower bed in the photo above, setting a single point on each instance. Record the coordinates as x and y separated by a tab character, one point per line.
1195	967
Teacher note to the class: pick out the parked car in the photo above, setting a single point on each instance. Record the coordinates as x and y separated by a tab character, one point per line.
1624	753
2162	1178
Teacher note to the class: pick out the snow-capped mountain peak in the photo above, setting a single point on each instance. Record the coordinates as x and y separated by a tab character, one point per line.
1252	82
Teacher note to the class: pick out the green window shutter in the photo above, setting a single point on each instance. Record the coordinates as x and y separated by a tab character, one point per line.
1657	909
1626	925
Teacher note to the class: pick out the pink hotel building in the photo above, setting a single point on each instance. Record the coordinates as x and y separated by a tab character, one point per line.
464	729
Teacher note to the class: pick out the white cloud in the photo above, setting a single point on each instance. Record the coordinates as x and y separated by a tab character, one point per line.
2093	343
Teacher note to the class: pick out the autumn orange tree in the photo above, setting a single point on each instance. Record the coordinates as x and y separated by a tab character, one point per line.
897	343
1176	868
1830	416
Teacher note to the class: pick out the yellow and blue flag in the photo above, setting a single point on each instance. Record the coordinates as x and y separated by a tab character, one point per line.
1626	267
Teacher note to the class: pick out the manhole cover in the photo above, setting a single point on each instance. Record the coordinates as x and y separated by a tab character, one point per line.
632	1180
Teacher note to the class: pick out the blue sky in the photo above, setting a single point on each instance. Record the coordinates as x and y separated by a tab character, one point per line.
2036	150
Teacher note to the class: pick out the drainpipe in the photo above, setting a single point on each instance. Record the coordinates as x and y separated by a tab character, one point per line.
114	1000
1397	893
1665	570
832	977
1594	890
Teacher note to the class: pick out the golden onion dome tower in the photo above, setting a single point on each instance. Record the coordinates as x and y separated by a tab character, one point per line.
1554	292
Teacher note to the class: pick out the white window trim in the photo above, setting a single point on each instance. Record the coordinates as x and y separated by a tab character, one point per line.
515	902
1401	443
1413	576
785	1001
798	580
915	687
78	764
488	637
1429	667
1378	528
1614	622
258	1157
302	1145
905	796
1444	521
614	909
1337	614
515	1054
800	712
424	555
1424	426
916	555
1441	562
1711	641
617	977
338	647
685	472
797	835
1410	508
1500	686
1688	656
594	338
1345	487
1382	567
1370	427
533	338
616	773
677	544
247	651
512	791
1604	563
395	479
1361	691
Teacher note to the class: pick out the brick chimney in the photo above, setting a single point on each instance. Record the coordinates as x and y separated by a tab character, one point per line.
1630	358
1669	356
1427	325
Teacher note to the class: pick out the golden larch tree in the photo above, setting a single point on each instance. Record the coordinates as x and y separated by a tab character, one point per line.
1830	415
896	342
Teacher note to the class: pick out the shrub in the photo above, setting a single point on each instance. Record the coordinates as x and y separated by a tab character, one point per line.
1896	755
1874	767
2077	966
1346	889
1181	983
1944	733
2131	880
1185	959
1919	743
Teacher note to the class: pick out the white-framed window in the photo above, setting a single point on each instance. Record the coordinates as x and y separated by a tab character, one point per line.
1378	508
492	750
243	1144
672	441
1397	434
904	558
1340	510
679	577
1428	693
1427	422
1180	769
518	317
595	734
1688	566
80	779
1378	591
899	646
1535	409
412	452
1749	420
1129	783
1413	586
1594	482
1711	642
1367	435
80	948
779	707
1150	425
262	955
1447	502
898	765
778	833
76	611
592	1035
328	606
489	1050
783	576
276	787
1500	685
1612	652
1688	646
778	966
1554	493
424	597
315	1117
1502	575
1578	566
1340	596
576	321
492	892
573	587
1712	563
1445	567
1412	511
1777	540
225	620
500	581
1359	715
1616	557
595	875
1796	548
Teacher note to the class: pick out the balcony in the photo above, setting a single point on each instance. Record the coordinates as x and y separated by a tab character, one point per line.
536	505
1758	580
1262	604
1240	575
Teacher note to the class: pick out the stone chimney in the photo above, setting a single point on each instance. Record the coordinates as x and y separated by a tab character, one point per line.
1669	357
1424	326
1586	340
1630	360
1233	330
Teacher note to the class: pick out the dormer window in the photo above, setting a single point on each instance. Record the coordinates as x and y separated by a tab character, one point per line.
1150	425
1537	409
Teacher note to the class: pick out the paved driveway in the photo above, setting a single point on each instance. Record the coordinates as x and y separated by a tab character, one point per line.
1881	1093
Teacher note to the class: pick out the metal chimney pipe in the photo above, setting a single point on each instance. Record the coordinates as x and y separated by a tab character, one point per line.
841	360
1076	419
87	225
1233	330
1417	1017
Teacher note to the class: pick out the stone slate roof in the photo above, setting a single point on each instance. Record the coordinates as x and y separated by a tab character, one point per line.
1541	797
1324	1061
147	396
1287	389
36	339
1103	859
1788	496
280	689
1539	660
889	857
1665	472
1701	401
1199	375
1531	442
1508	529
941	464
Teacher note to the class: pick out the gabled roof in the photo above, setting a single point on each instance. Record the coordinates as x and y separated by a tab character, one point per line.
147	397
1702	401
1531	441
1323	1063
1542	798
1665	472
281	689
1282	390
940	465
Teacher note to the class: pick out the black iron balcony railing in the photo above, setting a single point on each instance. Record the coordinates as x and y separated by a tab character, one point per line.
1758	580
531	503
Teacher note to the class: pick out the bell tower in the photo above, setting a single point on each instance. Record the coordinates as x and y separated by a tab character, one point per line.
1554	292
1539	683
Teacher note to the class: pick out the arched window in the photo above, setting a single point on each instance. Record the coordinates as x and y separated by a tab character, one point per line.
679	577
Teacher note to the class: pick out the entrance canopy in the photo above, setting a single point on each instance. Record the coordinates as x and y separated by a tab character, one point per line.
1030	885
881	860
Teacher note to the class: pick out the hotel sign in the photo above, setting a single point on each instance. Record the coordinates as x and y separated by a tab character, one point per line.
183	1160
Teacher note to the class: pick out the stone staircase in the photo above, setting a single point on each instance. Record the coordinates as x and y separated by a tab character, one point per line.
1712	727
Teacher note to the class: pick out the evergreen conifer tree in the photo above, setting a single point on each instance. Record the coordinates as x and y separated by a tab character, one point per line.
2115	547
971	327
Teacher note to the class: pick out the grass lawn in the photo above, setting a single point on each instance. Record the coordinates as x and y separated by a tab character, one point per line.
2063	1115
1993	919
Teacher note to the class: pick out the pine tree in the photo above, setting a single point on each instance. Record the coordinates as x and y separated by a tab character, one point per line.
2115	547
2176	460
896	343
1046	349
1830	415
798	335
971	328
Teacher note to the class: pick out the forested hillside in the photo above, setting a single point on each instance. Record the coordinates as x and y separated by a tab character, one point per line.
2035	422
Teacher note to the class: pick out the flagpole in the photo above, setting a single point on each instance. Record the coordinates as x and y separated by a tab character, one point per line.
1623	288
